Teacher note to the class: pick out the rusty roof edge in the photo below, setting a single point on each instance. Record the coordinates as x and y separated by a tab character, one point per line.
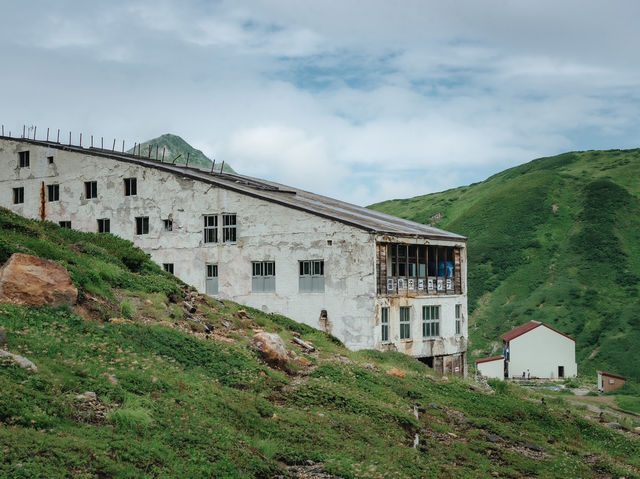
218	180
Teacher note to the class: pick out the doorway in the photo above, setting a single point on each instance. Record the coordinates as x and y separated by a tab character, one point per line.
560	372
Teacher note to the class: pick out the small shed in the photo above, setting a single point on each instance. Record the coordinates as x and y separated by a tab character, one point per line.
535	350
491	367
609	381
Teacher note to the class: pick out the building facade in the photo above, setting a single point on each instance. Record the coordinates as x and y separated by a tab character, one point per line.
535	350
609	381
370	279
491	367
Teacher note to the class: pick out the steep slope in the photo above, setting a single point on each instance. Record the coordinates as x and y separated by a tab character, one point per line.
153	394
556	240
176	147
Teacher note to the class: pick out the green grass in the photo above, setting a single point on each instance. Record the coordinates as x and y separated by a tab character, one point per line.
555	240
175	404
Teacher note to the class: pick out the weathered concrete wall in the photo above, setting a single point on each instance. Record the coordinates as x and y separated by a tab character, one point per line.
541	351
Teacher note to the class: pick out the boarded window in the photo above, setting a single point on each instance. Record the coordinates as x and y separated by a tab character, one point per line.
23	159
210	229
229	228
384	324
431	321
104	225
130	186
212	279
263	277
18	195
405	322
90	189
53	192
311	278
142	225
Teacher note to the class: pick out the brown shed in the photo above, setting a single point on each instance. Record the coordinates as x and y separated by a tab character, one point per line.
609	381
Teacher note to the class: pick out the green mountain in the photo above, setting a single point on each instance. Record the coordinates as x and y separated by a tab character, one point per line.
176	147
555	240
158	392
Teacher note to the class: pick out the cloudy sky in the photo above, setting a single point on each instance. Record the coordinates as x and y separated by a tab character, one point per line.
360	100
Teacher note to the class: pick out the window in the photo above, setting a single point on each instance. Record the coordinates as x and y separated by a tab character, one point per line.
384	323
142	225
430	321
65	224
311	276
212	279
104	225
211	229
130	186
168	225
53	192
50	159
229	228
168	267
23	158
90	189
263	277
18	195
405	322
458	319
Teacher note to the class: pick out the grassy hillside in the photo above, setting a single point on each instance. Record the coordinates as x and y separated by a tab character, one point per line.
556	240
174	146
172	400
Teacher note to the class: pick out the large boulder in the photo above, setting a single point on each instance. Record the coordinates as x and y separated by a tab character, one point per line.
272	349
29	280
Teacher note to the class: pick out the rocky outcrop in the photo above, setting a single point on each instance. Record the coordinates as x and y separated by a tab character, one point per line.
19	360
29	280
272	349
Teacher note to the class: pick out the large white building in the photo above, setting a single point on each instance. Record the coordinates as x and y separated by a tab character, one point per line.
538	351
370	279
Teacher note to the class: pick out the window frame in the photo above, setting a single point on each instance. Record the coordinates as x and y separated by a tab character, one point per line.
24	159
18	195
168	225
263	276
405	323
141	223
131	186
431	321
168	267
384	324
90	190
53	192
210	232
211	279
458	318
311	276
65	224
104	225
229	230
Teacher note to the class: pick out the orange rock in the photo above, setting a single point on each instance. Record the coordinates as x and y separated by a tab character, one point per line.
29	280
272	349
396	373
304	361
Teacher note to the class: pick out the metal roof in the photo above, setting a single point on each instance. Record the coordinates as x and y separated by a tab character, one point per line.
487	360
525	328
357	216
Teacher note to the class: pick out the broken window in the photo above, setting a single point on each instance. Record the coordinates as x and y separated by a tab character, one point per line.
210	229
104	225
263	277
23	159
168	225
18	195
142	225
130	186
229	228
458	318
430	321
405	322
50	159
168	267
311	276
384	324
212	279
90	189
65	224
53	192
420	268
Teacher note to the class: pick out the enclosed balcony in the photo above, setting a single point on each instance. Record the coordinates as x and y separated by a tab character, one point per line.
417	270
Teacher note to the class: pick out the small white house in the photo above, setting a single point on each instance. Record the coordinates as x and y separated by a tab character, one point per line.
535	350
491	367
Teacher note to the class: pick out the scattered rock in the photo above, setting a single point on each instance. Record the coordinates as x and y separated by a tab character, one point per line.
533	447
433	405
308	470
167	324
242	314
272	349
303	361
444	379
29	280
614	425
111	378
89	409
22	362
119	320
493	437
395	372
